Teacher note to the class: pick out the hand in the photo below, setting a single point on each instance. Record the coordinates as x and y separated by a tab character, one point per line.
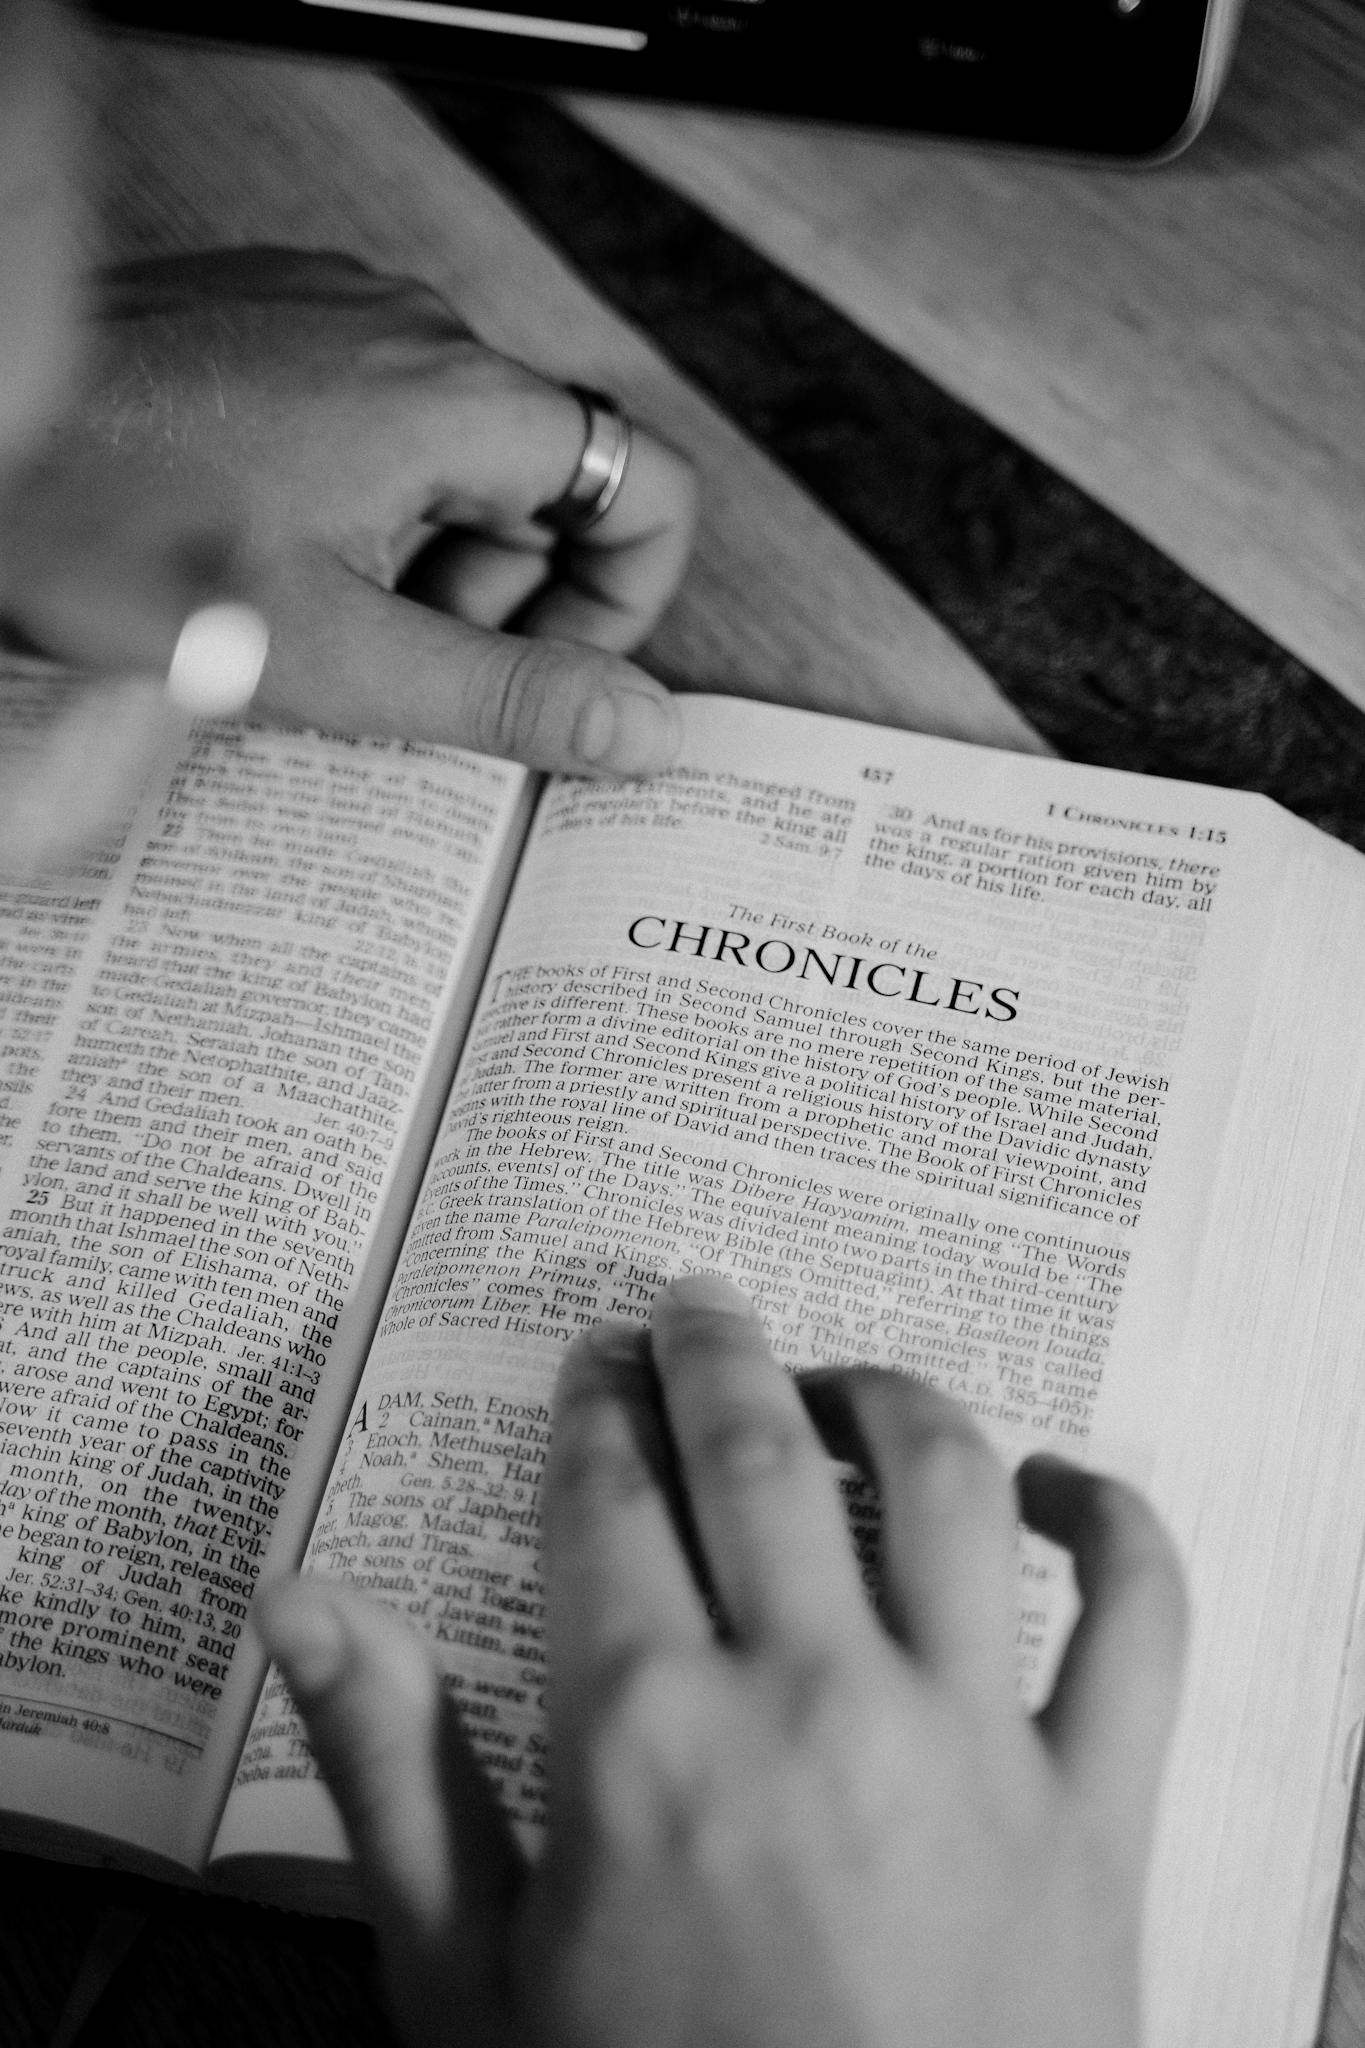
817	1827
97	570
388	469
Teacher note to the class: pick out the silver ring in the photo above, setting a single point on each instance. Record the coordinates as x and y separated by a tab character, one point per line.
591	490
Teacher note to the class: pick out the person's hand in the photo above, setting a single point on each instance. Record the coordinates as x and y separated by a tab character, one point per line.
388	469
124	577
808	1825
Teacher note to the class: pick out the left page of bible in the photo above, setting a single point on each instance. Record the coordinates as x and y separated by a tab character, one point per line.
225	1043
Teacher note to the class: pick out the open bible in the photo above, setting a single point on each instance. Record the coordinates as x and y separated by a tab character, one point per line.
358	1077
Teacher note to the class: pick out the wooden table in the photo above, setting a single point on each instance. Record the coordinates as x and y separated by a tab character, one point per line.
1188	345
1020	445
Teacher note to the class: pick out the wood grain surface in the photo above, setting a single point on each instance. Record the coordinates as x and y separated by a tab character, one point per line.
203	149
1187	343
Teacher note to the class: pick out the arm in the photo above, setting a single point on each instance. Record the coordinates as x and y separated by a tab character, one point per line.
816	1825
337	446
118	569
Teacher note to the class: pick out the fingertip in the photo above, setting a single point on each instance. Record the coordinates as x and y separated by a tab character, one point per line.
1116	1694
627	732
707	1293
612	1337
1120	1547
321	1631
596	1354
1079	1508
1050	1491
608	1364
302	1631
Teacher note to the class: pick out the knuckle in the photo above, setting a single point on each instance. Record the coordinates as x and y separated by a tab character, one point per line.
954	1469
423	301
510	695
470	383
742	1444
595	1460
509	700
847	1729
645	1753
641	1696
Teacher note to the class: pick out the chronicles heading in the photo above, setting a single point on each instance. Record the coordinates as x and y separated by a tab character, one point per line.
928	986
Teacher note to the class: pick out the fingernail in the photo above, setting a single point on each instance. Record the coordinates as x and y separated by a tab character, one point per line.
302	1634
708	1291
628	733
218	660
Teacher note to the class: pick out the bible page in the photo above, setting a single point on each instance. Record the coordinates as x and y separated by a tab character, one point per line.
929	1047
222	1036
1261	1477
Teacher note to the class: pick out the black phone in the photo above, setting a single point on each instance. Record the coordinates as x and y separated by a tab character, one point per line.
1120	79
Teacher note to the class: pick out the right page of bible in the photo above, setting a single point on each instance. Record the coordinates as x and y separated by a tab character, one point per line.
943	1053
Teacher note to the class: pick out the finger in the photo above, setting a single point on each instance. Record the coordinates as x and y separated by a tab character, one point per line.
261	273
484	582
434	1850
606	588
948	1524
618	1581
502	443
613	582
351	657
762	1494
80	581
1113	1705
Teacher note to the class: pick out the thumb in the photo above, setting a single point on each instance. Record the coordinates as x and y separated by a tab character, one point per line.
435	1852
350	656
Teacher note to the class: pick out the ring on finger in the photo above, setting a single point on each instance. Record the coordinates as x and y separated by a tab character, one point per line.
599	471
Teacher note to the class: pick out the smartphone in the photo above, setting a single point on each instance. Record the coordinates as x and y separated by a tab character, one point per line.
1125	80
